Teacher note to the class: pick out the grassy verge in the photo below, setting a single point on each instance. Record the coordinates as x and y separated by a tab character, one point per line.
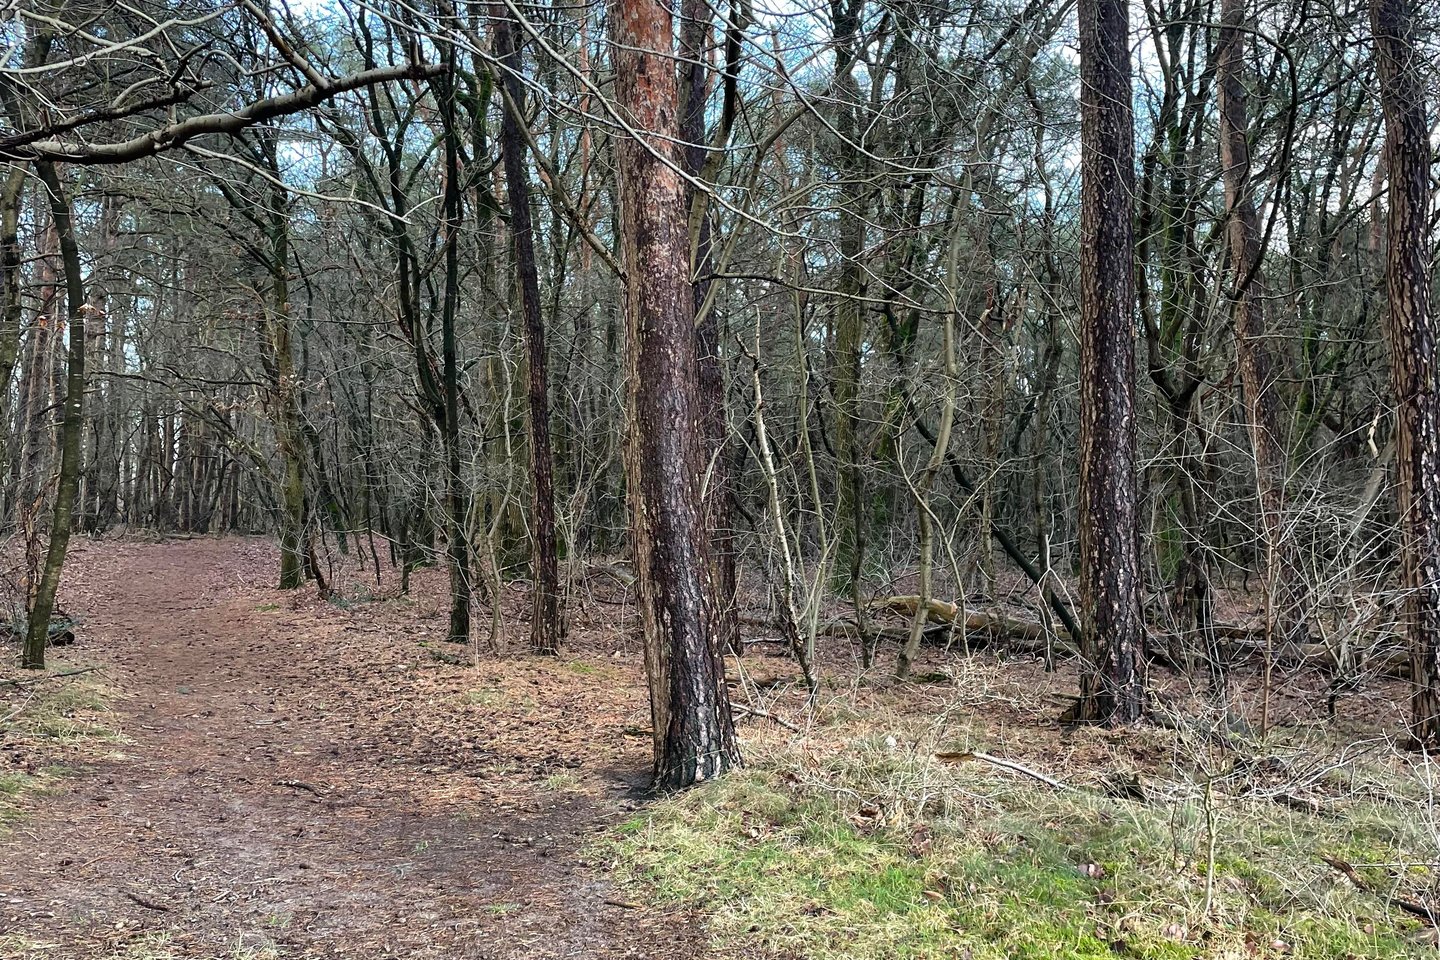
157	946
48	726
859	843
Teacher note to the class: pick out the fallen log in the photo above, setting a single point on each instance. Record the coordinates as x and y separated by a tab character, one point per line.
1240	639
1421	910
976	621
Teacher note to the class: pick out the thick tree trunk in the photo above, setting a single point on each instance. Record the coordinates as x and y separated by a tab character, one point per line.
695	37
665	445
547	626
1112	686
38	627
1284	578
1414	364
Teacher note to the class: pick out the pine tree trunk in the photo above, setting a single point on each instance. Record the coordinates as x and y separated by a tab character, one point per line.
1414	365
695	38
1112	688
665	445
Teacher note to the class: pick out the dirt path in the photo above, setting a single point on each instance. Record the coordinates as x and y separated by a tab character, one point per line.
280	794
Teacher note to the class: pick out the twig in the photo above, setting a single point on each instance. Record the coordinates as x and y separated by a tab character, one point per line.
752	712
300	785
1414	909
147	903
47	676
1003	764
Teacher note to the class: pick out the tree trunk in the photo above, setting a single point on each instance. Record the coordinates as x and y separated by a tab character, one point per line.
456	495
1112	686
1286	616
665	447
38	628
284	404
849	317
1413	360
11	294
547	627
695	37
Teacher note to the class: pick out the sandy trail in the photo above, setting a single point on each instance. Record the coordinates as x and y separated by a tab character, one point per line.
266	804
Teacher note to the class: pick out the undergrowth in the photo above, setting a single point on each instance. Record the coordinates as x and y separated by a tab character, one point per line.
855	841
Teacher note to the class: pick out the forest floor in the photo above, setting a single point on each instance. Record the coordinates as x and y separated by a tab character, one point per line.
257	774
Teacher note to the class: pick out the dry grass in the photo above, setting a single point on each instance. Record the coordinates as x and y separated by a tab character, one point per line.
49	724
853	840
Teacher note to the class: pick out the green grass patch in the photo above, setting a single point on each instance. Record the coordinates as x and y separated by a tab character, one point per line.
883	852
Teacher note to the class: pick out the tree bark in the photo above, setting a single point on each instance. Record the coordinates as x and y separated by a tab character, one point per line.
694	734
457	497
11	293
547	626
1414	365
695	37
38	626
284	409
1112	686
849	318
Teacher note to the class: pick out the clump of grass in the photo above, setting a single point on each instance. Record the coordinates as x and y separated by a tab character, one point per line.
57	722
878	850
351	596
483	697
562	782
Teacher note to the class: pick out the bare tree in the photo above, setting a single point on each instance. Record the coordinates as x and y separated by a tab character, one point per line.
547	626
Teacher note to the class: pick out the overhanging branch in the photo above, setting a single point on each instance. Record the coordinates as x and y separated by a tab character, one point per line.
172	135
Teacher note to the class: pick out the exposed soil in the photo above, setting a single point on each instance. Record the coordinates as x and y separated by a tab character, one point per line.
310	779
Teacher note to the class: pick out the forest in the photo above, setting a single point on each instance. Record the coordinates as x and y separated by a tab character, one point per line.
864	479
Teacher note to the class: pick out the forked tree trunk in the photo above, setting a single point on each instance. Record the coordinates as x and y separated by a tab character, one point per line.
1286	618
73	424
547	626
1414	365
665	447
1112	686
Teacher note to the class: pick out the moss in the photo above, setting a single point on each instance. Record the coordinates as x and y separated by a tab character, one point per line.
836	863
